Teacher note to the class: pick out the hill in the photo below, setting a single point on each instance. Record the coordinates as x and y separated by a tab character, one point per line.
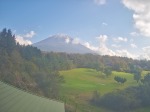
15	100
62	43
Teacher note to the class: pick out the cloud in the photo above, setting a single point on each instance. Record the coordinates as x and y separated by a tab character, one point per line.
30	34
76	41
100	2
102	38
125	53
131	40
120	39
146	54
134	34
22	41
67	40
115	46
146	49
104	24
88	45
141	15
103	49
133	45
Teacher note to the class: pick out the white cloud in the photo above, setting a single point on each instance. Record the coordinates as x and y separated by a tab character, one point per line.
30	34
102	38
131	40
67	40
120	39
104	24
76	41
134	34
115	46
103	49
22	41
125	53
141	15
146	49
146	54
100	2
88	45
133	45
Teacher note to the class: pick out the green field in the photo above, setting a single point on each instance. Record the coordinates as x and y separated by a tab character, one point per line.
84	80
15	100
80	84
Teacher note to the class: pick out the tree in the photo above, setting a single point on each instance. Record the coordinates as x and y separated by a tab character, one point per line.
96	98
137	74
7	41
107	71
120	79
123	80
146	79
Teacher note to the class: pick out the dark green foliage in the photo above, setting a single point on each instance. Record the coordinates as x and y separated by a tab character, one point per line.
107	71
29	52
7	42
137	77
137	73
120	79
95	98
119	102
126	100
146	79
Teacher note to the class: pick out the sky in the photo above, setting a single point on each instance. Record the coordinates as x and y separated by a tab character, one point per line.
109	27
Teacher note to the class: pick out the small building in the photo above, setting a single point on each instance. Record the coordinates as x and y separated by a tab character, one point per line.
16	100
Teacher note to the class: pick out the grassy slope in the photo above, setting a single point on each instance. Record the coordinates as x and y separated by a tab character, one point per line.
15	100
80	84
87	80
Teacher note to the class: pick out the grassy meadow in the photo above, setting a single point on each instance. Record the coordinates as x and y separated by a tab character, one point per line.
80	83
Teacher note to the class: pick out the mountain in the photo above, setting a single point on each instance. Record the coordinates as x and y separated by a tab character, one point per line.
62	43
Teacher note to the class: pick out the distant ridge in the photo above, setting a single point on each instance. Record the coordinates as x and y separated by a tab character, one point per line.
62	43
15	100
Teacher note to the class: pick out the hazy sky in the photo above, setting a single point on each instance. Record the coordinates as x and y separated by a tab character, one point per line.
110	27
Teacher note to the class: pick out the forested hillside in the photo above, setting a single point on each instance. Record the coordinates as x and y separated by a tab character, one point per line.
24	67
